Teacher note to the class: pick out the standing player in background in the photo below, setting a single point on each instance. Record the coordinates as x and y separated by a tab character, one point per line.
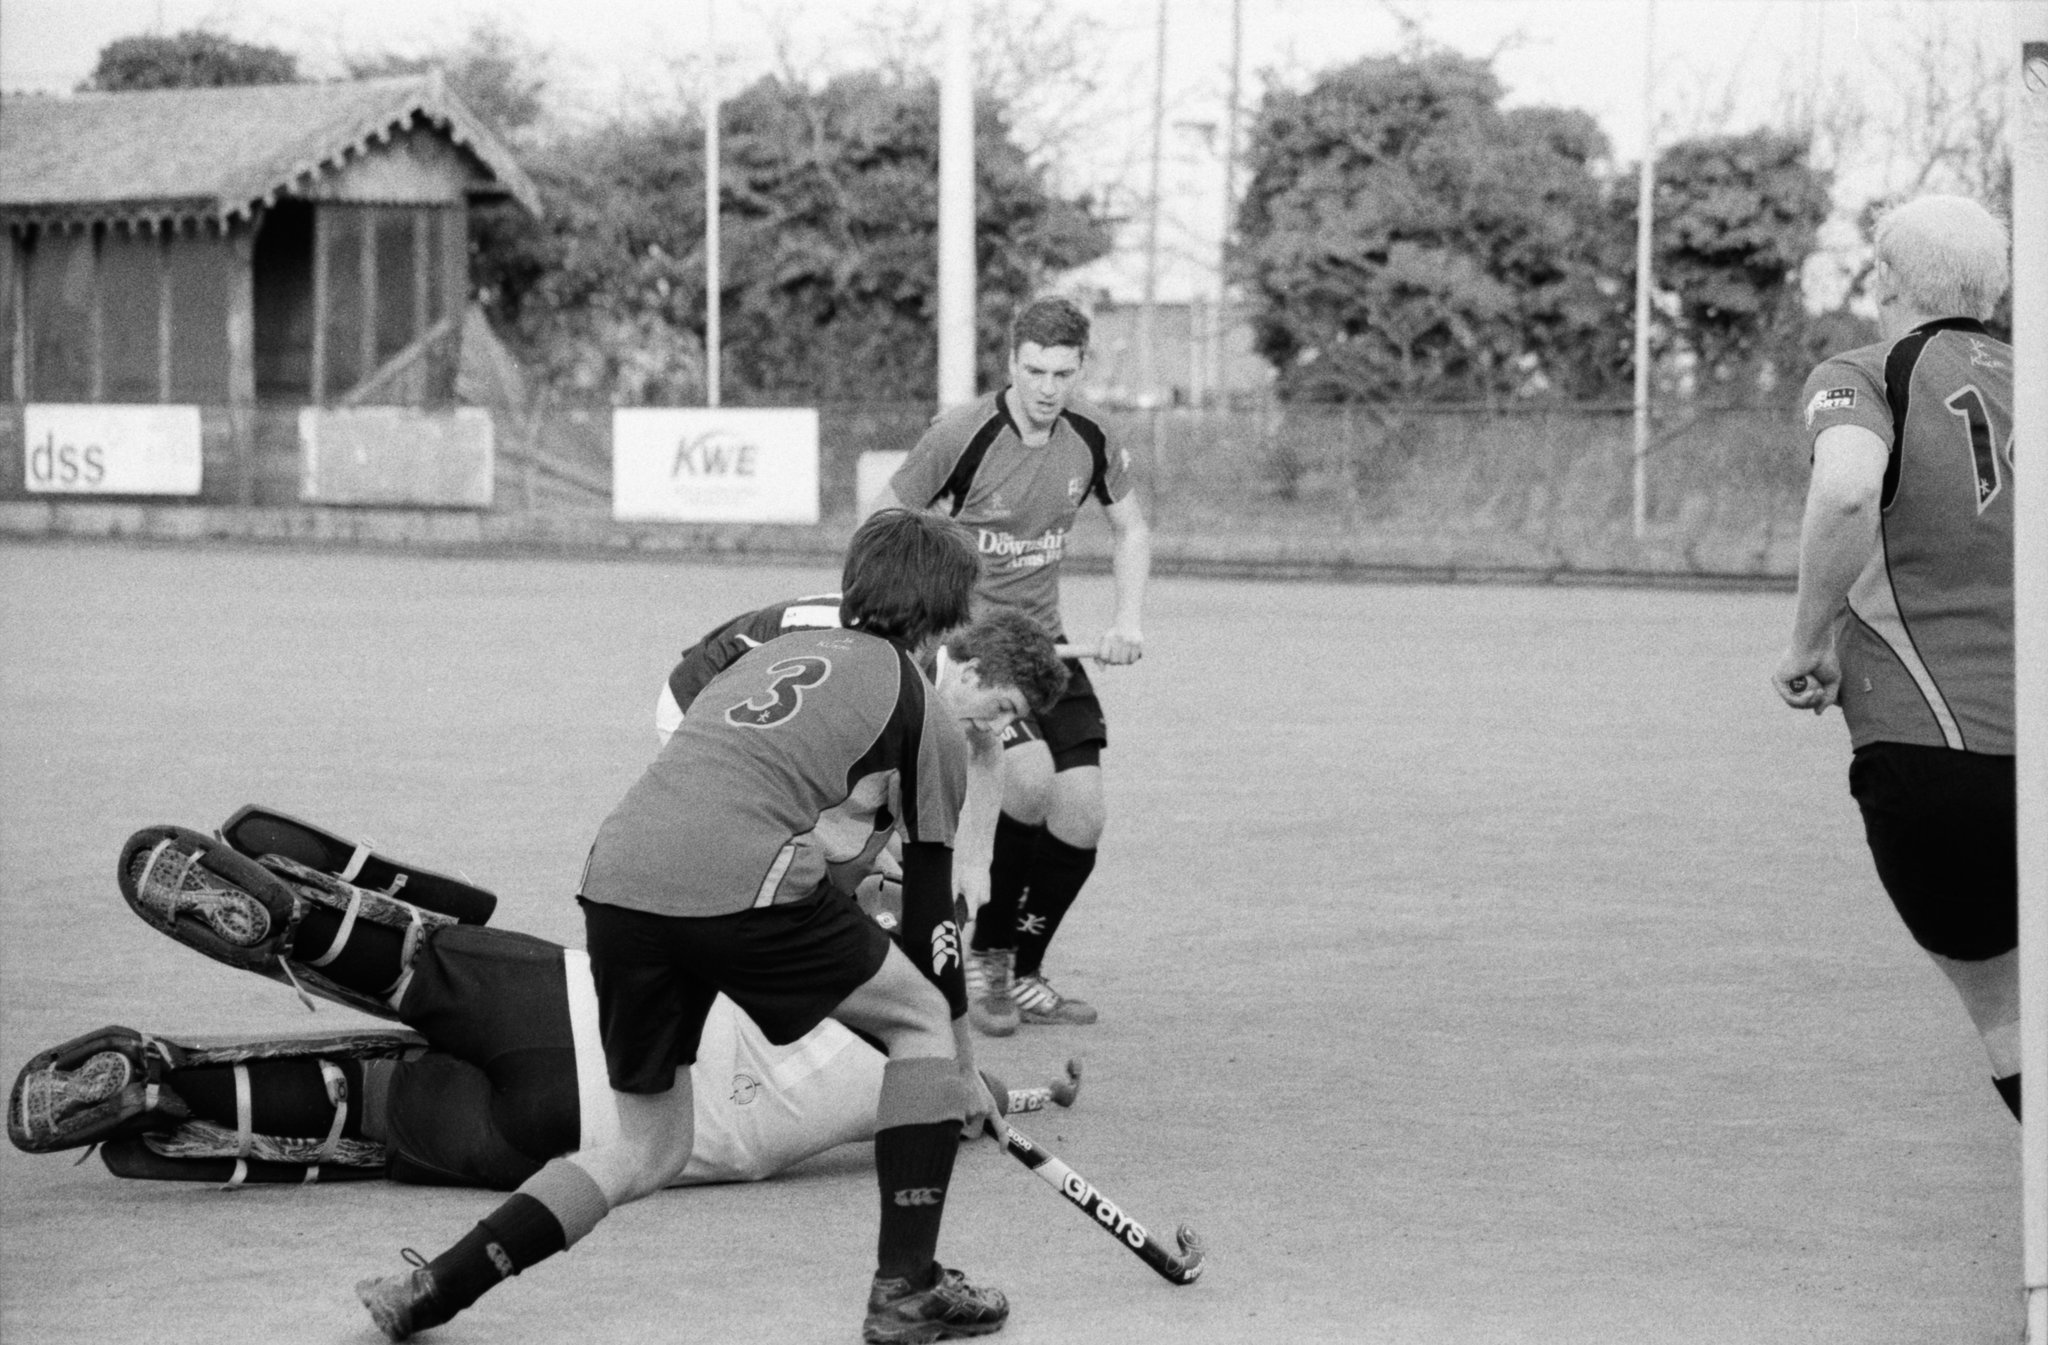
1016	466
1905	609
710	877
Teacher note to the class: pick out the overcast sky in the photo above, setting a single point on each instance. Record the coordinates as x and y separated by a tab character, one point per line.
1717	64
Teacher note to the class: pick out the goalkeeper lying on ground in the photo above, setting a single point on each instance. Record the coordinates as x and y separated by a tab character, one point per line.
500	1071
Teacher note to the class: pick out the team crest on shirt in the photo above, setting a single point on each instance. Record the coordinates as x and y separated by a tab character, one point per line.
1076	488
1832	399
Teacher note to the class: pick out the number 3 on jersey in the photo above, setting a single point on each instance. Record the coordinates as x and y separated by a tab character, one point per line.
784	696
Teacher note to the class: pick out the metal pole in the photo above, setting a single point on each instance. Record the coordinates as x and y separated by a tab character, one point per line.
1645	185
956	209
712	269
1148	359
2030	627
1218	393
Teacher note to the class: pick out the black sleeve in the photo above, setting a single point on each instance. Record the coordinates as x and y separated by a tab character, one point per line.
702	662
929	934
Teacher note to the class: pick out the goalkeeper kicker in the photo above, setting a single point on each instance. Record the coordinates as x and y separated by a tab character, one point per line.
496	1068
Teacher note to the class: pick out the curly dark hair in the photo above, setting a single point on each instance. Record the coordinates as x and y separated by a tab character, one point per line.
1051	321
1011	648
908	576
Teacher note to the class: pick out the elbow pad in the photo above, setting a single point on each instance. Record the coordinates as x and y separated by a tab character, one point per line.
930	936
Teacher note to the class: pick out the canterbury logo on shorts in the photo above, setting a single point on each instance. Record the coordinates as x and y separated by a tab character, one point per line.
920	1195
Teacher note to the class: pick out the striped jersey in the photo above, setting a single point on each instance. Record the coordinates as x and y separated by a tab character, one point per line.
1019	502
1927	652
790	760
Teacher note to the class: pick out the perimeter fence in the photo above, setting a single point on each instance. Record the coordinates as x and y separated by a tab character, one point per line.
1433	487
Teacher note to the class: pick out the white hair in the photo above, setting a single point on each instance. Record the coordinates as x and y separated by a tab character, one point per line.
1948	256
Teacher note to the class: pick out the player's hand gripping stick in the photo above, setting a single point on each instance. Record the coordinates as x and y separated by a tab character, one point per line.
1182	1268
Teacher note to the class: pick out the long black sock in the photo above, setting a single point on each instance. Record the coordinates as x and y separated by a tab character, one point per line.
1016	850
519	1233
2009	1089
913	1165
1056	880
287	1098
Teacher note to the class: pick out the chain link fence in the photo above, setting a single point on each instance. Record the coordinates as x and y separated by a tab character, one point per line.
1434	487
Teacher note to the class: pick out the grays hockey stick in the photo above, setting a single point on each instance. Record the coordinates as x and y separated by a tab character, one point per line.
1183	1267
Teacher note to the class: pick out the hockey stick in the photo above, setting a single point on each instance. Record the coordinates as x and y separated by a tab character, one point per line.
1062	1091
1182	1268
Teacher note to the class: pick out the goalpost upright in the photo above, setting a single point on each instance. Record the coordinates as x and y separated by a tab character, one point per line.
2030	619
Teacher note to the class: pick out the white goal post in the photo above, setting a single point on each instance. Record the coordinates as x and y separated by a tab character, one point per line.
2030	620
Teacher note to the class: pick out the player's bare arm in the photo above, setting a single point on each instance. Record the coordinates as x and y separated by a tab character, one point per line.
1131	567
1836	541
974	843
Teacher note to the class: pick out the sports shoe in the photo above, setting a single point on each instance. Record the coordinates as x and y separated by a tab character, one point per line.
989	1004
951	1307
403	1304
170	882
1038	1002
50	1095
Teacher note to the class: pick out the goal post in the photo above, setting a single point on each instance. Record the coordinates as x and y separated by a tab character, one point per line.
2030	628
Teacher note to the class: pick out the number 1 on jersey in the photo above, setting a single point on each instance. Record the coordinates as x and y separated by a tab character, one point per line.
1967	405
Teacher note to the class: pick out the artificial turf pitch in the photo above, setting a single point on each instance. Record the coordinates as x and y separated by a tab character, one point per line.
1478	964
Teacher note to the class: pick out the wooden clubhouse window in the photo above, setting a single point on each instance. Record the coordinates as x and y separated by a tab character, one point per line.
381	282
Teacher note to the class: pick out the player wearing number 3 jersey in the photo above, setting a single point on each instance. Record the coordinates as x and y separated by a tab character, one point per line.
710	878
1904	616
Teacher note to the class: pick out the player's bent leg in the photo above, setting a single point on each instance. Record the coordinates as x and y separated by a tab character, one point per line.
277	917
1063	862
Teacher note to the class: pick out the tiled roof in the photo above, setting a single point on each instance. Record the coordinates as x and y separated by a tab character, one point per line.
179	154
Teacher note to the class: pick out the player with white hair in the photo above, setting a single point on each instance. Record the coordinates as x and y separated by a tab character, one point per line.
1904	615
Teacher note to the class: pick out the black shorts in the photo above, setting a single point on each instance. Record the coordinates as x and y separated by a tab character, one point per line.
1074	730
1943	829
496	1097
787	965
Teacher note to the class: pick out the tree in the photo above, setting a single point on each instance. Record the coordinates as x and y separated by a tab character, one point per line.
1405	238
1735	218
828	242
497	75
195	59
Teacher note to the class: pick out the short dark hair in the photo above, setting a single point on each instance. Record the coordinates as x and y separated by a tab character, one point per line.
908	576
1010	648
1049	322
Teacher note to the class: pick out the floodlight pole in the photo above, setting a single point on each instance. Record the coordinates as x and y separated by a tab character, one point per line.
956	208
1148	311
1217	393
711	261
2030	636
1645	199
